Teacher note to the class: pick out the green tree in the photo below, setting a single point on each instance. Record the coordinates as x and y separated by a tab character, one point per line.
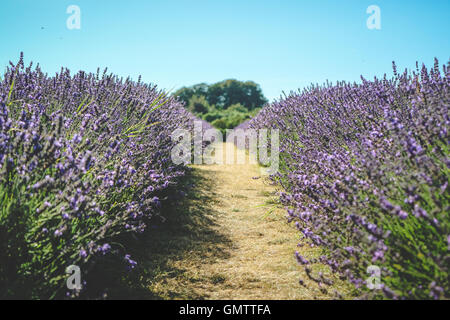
225	94
228	92
237	108
186	93
198	105
220	124
224	104
211	116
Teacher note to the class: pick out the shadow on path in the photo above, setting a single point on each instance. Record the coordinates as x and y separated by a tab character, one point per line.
188	229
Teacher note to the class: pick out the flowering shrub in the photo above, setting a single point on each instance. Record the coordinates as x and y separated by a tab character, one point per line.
365	169
83	159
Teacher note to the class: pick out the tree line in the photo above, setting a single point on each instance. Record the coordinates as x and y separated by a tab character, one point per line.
224	104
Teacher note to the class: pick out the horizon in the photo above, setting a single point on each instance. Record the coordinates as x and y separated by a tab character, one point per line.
283	47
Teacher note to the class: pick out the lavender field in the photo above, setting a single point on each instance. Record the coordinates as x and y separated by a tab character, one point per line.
86	173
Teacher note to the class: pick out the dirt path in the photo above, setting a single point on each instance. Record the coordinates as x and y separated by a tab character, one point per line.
230	240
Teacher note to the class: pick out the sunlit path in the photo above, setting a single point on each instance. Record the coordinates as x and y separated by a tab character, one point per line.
239	246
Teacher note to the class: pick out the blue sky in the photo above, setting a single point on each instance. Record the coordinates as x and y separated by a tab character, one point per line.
281	44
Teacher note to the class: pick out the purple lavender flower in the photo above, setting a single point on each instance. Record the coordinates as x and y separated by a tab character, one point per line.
131	263
83	253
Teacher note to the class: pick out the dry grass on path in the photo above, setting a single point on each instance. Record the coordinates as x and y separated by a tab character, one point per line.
228	240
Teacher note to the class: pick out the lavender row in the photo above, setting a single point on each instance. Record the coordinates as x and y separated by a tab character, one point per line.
84	158
365	170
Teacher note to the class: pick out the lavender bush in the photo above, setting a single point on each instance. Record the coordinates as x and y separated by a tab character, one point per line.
365	169
84	158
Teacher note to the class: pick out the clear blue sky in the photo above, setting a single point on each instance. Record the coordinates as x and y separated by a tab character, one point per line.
280	44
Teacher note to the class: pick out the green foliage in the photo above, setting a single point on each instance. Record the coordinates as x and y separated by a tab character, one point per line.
229	92
220	123
186	93
225	104
198	105
237	108
227	119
